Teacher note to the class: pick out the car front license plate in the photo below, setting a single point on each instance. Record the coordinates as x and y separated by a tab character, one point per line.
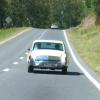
47	65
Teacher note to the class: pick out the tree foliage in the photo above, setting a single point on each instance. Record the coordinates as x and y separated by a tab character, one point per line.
42	13
97	9
3	10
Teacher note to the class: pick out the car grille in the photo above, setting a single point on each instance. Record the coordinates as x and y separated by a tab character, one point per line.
48	58
48	61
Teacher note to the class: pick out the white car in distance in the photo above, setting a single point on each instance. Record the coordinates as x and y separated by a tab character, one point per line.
47	54
54	26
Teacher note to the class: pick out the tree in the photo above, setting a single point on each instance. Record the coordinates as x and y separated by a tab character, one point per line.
42	13
3	7
67	12
17	12
97	9
29	13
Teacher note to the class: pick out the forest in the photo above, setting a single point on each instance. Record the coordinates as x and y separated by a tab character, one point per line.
42	13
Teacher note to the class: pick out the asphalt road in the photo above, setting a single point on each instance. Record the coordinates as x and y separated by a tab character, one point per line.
17	84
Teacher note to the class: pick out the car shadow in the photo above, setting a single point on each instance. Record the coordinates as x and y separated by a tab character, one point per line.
74	73
57	73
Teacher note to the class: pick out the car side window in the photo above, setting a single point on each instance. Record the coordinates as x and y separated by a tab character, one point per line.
59	47
37	46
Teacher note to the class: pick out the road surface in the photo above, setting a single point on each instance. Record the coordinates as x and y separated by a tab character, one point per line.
17	84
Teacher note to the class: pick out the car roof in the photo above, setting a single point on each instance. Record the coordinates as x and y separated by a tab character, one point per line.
51	41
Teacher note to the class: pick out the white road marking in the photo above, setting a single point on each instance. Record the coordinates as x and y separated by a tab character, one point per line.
87	74
26	53
21	58
15	63
6	70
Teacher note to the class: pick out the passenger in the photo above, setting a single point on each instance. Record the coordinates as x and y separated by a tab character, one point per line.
57	46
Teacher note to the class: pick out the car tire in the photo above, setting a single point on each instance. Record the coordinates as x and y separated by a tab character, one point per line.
64	70
30	69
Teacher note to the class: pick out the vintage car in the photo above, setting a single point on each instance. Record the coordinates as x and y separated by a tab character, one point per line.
47	54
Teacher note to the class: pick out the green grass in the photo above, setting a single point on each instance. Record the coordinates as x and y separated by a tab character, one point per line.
87	43
9	32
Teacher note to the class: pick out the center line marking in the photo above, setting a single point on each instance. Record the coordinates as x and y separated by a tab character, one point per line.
6	70
15	63
26	53
21	58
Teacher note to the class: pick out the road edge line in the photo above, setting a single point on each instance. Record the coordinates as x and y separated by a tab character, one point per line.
18	34
87	74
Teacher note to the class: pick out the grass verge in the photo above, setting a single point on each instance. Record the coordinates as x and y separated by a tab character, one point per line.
87	43
9	32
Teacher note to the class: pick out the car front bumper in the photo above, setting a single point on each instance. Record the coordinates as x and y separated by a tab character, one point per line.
47	64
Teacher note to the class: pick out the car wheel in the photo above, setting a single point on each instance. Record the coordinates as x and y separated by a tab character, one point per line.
30	69
64	70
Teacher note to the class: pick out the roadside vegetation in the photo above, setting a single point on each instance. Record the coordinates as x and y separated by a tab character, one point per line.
86	38
9	32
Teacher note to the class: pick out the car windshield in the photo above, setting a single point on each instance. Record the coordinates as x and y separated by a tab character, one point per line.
48	45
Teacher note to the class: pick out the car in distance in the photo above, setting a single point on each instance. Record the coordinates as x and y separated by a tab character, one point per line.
54	26
47	54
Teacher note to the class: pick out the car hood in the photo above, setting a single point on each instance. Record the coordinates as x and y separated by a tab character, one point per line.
55	53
